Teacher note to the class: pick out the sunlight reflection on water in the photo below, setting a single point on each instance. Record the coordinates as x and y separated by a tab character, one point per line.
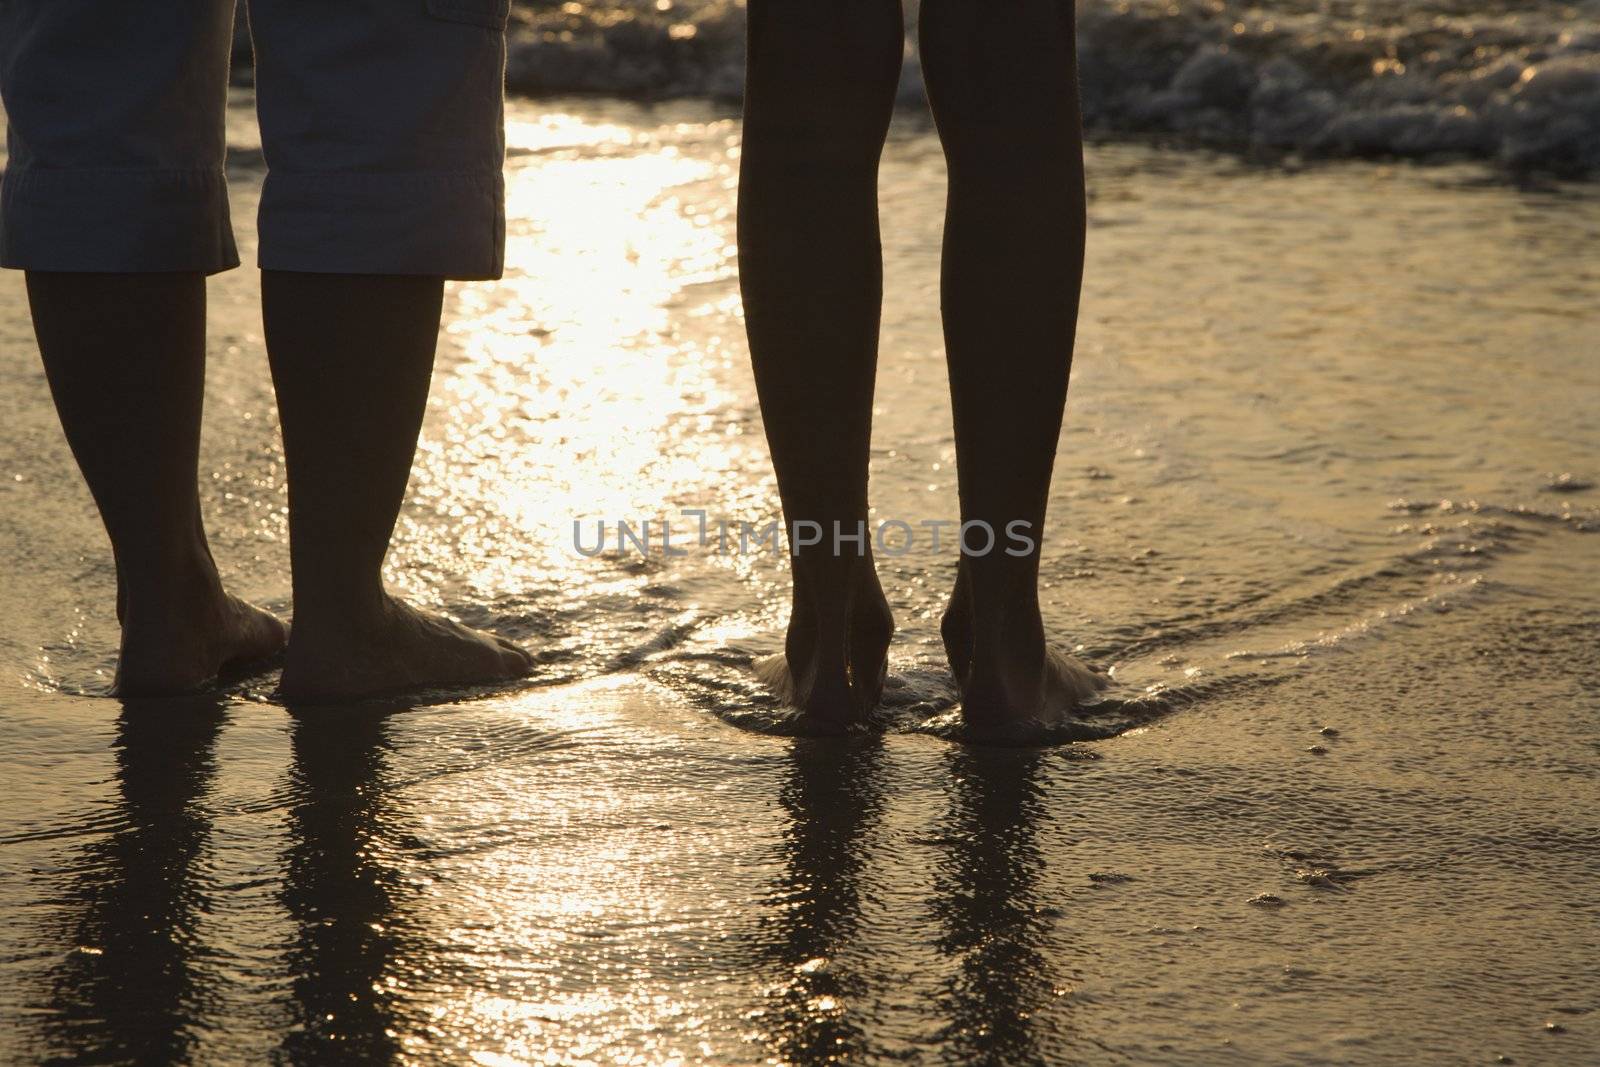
592	382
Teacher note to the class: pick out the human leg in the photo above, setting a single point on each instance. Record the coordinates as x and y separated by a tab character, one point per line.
820	91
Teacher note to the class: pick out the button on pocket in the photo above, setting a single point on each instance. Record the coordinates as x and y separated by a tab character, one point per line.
490	14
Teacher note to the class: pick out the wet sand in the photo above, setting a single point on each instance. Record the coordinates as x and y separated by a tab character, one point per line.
1309	509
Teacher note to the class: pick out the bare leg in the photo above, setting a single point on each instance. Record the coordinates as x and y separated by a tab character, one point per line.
822	76
351	358
1002	79
125	357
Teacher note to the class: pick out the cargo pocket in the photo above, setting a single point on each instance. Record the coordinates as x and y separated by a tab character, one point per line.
490	14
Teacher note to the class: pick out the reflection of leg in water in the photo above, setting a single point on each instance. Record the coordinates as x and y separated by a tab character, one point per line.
821	88
1002	79
832	799
339	895
989	906
351	360
125	355
127	990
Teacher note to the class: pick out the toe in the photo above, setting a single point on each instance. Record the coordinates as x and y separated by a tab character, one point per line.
516	658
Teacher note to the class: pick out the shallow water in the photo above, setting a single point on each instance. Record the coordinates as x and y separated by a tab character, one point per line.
1310	509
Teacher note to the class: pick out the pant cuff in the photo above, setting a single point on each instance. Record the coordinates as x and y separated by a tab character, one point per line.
450	224
115	221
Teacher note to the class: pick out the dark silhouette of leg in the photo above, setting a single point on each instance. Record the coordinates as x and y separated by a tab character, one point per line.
125	358
1002	79
351	358
820	92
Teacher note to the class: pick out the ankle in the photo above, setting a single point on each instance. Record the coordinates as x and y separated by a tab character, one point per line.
1013	635
176	583
326	615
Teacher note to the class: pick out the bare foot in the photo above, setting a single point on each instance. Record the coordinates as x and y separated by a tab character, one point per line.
834	680
398	648
1004	694
176	644
1016	678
